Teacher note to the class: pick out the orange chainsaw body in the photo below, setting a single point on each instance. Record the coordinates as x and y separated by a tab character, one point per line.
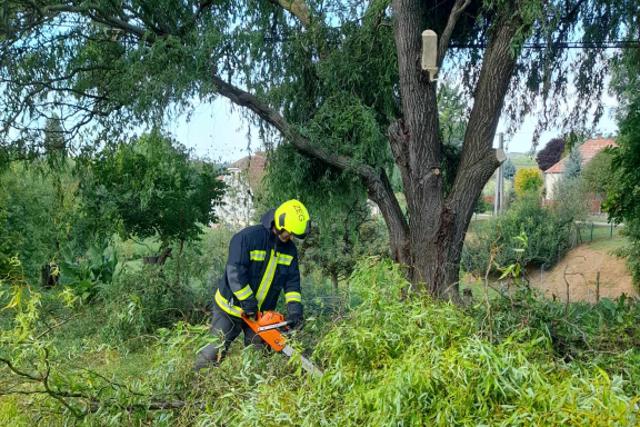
273	337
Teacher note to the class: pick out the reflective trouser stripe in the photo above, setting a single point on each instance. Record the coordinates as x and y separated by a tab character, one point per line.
223	303
267	278
244	293
292	297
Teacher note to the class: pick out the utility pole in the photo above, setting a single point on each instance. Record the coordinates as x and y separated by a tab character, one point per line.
498	200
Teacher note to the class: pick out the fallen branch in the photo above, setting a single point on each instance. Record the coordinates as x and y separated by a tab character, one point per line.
71	400
56	325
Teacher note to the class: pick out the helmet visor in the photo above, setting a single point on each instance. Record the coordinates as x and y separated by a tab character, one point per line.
302	236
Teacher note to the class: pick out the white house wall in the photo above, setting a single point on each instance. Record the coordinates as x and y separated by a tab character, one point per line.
550	183
236	209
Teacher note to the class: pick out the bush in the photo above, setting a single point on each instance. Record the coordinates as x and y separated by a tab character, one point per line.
139	302
631	251
202	262
548	235
142	298
598	173
482	205
572	199
527	180
606	333
149	186
37	214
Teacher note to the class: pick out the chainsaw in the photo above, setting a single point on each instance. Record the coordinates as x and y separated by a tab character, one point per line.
267	327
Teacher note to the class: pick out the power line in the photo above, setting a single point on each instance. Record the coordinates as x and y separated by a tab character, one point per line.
611	44
607	44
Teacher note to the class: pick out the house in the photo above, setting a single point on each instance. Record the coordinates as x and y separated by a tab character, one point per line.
588	151
243	179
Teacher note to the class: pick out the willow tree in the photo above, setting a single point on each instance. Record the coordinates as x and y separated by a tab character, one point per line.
339	81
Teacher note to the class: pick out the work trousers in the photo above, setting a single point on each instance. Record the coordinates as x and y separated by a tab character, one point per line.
228	327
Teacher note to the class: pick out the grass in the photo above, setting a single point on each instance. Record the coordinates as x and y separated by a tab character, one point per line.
477	287
522	160
609	245
595	234
602	238
12	412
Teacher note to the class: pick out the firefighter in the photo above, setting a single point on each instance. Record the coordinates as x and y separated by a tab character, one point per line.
262	262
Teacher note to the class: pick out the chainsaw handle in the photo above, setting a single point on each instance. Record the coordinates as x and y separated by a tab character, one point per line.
271	336
275	326
255	317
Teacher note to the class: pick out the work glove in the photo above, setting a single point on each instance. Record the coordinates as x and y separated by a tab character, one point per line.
295	316
250	307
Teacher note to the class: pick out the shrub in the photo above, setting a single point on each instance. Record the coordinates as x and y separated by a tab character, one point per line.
150	186
598	173
548	235
572	199
482	205
37	214
139	302
143	298
606	333
631	251
527	180
201	263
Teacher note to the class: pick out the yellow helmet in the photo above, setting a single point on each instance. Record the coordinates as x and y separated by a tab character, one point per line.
292	216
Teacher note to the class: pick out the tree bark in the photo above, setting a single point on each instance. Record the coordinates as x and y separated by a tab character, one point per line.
420	153
438	224
159	259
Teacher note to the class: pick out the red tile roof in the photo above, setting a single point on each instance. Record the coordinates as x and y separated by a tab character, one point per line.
588	151
255	165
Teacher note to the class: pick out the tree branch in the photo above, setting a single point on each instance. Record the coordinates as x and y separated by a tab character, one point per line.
456	11
56	325
271	116
297	8
377	182
18	372
92	402
92	11
491	90
399	139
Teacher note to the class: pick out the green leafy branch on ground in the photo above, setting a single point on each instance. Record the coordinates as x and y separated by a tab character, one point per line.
394	357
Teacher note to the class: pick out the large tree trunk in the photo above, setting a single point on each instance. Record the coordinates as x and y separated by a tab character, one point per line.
438	222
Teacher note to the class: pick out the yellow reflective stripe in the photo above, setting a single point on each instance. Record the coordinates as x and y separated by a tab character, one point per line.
267	279
223	303
244	293
284	259
292	297
257	255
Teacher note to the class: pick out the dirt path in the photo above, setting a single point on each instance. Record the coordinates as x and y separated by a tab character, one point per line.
581	266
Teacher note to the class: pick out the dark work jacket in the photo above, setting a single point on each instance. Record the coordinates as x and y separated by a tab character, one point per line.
261	266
